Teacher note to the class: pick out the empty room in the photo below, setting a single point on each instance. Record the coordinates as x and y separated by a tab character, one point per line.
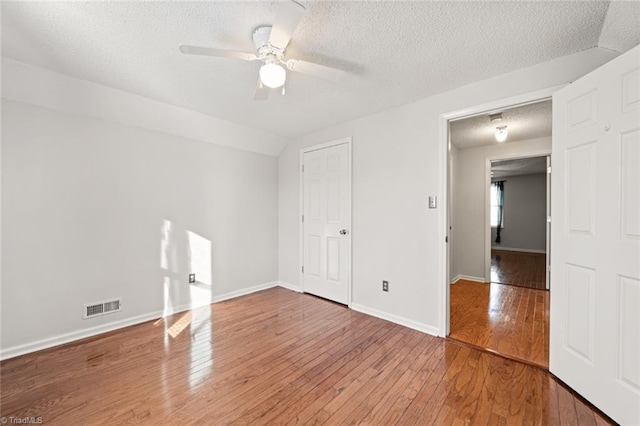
263	212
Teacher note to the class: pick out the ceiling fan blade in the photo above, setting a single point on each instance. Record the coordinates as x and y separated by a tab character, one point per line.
316	70
287	18
210	51
262	92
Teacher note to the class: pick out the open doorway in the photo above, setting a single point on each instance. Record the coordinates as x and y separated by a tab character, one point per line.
518	222
499	231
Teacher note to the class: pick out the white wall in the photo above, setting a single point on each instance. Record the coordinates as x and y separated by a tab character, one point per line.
525	213
397	163
95	209
469	222
38	86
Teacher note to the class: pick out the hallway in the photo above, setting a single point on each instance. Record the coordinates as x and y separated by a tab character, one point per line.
518	269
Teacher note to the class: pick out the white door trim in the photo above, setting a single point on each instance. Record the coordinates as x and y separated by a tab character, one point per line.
349	236
487	201
547	261
443	275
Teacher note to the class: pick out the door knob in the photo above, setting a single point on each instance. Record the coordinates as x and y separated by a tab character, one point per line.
343	232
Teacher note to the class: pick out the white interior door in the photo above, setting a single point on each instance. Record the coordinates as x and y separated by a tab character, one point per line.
595	272
326	222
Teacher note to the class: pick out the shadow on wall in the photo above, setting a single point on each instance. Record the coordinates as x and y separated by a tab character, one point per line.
177	267
173	243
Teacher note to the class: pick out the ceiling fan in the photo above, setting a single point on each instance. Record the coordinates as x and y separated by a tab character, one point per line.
271	43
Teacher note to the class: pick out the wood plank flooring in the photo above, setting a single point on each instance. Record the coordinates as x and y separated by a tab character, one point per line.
510	320
278	357
519	269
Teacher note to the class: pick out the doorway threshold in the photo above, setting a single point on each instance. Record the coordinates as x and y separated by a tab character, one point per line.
500	354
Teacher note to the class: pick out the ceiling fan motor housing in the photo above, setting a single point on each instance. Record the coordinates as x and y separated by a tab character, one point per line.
265	51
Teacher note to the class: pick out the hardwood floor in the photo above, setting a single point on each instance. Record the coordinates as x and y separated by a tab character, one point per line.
510	320
278	357
519	269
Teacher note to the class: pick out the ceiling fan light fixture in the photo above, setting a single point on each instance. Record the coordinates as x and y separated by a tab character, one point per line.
501	133
270	44
272	75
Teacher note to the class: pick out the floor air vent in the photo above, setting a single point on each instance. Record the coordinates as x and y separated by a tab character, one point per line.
95	309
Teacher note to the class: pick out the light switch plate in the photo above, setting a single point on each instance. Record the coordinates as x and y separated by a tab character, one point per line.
433	200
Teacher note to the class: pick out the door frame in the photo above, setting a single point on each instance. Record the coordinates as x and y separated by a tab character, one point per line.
444	278
348	142
487	205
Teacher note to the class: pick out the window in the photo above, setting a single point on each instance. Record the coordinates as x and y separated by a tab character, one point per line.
497	204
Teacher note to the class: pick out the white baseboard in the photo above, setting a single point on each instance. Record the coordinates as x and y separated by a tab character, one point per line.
376	313
425	328
243	292
76	335
290	286
115	325
104	328
466	277
518	250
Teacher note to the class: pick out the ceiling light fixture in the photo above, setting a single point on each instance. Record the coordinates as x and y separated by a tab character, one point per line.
272	75
495	117
501	133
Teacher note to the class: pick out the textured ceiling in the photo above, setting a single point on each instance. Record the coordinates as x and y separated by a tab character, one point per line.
621	26
519	166
523	122
397	51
